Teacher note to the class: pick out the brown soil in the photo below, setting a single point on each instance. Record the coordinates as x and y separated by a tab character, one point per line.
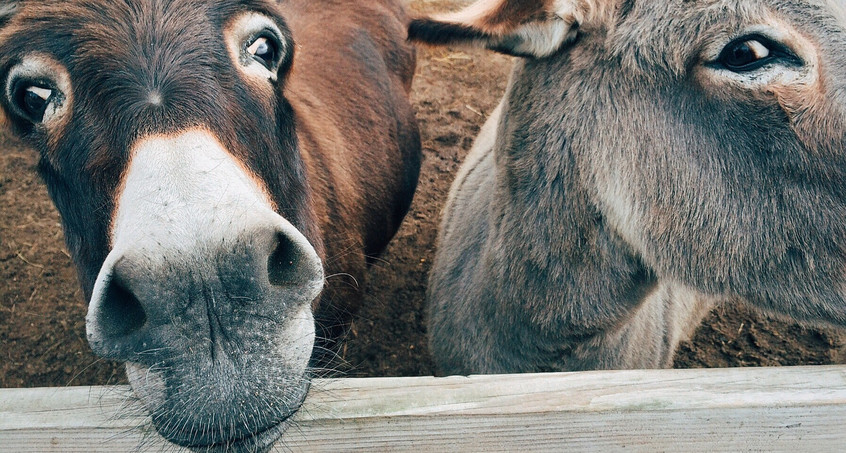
42	330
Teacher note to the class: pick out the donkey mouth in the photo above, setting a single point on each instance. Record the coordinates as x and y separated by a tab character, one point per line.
213	434
259	442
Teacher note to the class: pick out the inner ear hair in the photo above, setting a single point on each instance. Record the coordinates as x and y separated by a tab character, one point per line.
499	17
515	27
531	40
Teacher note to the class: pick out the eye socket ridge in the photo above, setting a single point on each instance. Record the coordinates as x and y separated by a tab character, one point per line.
265	47
754	51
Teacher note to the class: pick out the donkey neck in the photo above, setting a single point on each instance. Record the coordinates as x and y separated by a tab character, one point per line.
538	181
541	202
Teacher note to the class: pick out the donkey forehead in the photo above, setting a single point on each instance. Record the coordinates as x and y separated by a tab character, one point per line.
139	67
137	41
684	15
673	33
90	23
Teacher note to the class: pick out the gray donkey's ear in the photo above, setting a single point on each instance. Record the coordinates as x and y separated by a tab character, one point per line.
8	8
527	28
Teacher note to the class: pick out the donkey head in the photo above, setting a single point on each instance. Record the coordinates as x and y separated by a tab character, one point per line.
169	149
710	134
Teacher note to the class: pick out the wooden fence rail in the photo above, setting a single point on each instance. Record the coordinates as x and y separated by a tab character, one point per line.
801	409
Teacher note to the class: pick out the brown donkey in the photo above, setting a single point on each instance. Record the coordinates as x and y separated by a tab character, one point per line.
212	162
649	160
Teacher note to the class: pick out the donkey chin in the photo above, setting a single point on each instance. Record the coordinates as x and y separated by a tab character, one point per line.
235	401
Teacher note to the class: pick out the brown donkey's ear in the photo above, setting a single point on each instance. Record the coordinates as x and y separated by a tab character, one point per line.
527	28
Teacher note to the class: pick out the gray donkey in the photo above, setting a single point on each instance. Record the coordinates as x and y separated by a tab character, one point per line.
649	160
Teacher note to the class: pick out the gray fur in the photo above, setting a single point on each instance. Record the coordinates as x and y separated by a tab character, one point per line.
620	192
8	9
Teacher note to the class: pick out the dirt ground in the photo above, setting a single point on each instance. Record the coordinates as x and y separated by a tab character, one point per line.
42	330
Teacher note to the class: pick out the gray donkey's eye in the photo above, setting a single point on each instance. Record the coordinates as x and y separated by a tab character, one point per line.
744	54
752	52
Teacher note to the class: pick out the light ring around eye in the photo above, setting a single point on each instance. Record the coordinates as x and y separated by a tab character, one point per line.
242	32
37	90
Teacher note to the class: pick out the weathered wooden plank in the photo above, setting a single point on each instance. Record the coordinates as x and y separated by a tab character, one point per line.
751	409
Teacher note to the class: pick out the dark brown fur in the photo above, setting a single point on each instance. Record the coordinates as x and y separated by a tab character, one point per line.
339	131
334	144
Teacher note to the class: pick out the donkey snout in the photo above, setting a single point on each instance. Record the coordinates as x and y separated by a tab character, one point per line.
148	300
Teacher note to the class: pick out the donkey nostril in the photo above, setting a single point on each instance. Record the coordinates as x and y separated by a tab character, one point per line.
284	265
121	312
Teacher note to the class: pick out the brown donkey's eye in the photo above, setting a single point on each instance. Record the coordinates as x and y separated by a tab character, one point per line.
33	100
265	50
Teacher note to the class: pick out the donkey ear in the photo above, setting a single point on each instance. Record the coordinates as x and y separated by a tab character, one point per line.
527	28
